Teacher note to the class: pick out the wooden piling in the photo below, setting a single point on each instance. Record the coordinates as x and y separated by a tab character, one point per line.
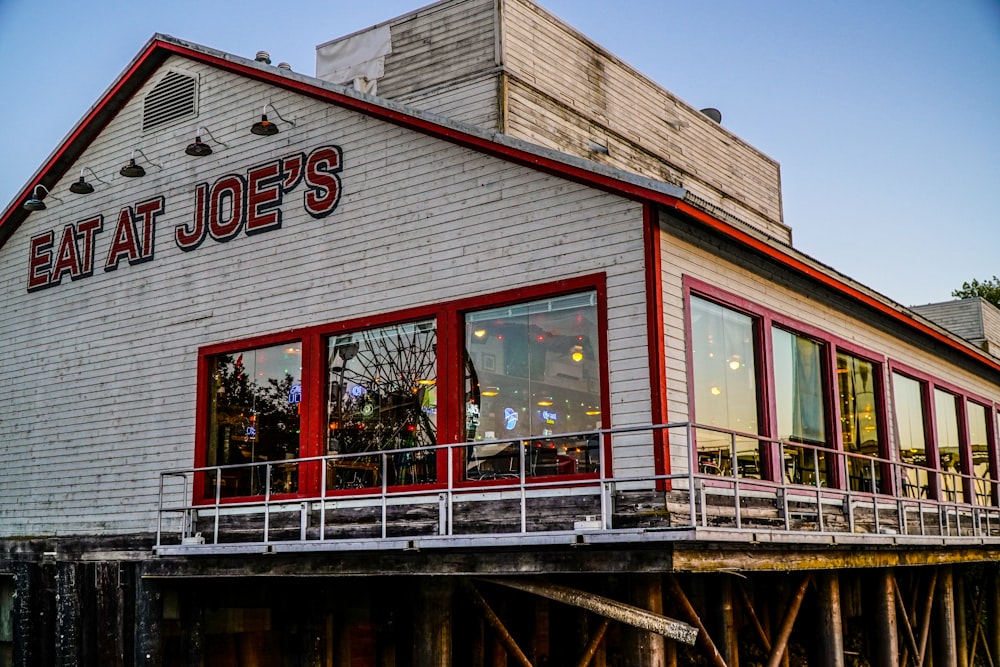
831	627
961	643
644	648
885	633
432	623
945	643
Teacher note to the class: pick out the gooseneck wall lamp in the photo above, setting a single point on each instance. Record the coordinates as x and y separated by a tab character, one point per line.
133	170
82	187
199	148
264	127
34	202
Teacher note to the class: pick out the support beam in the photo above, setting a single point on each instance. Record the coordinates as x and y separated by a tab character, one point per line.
977	618
961	638
945	642
885	631
724	614
617	611
643	648
748	608
993	612
704	640
67	616
926	621
781	639
903	620
27	616
432	626
147	621
505	638
595	641
831	626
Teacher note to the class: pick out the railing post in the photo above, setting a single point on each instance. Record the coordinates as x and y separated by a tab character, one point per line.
736	480
267	501
523	480
692	463
784	489
322	499
874	490
605	487
385	499
819	493
450	505
159	511
218	505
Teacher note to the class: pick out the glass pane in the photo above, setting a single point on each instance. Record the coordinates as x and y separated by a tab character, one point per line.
798	396
949	447
725	387
533	369
254	417
382	396
980	446
859	419
909	404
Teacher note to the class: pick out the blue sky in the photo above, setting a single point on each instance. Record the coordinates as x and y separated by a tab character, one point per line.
885	116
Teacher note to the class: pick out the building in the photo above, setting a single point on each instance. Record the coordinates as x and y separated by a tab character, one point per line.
447	356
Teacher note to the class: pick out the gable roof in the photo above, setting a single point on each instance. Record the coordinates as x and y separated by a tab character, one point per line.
161	47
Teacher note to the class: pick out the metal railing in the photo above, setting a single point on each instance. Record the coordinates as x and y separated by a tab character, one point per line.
732	486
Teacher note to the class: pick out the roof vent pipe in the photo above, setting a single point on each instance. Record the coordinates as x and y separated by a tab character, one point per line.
263	57
285	66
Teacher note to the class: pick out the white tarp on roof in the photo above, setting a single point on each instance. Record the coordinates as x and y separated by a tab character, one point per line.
359	56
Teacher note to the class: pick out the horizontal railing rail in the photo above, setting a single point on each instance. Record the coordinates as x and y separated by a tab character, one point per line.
730	482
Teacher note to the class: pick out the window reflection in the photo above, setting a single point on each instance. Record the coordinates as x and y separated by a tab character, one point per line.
948	445
533	369
908	397
254	417
979	445
859	419
382	394
725	387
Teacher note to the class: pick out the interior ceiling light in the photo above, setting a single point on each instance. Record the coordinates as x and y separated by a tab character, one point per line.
82	187
34	202
134	170
199	148
266	128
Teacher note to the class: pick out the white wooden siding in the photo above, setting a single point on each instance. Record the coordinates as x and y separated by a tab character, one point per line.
98	375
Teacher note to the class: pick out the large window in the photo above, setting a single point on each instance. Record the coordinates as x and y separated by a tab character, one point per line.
979	446
911	434
724	365
858	393
949	447
254	400
799	404
379	395
532	371
382	395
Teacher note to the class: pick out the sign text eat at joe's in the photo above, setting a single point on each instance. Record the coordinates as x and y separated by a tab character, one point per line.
233	204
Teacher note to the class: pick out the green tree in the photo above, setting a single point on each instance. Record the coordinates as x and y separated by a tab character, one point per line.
988	289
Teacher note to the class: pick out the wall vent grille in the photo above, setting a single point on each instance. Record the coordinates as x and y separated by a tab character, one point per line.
174	97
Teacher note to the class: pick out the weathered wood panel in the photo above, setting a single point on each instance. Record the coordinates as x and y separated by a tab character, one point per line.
566	91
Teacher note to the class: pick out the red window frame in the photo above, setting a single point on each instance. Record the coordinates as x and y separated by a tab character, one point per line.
449	318
764	320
